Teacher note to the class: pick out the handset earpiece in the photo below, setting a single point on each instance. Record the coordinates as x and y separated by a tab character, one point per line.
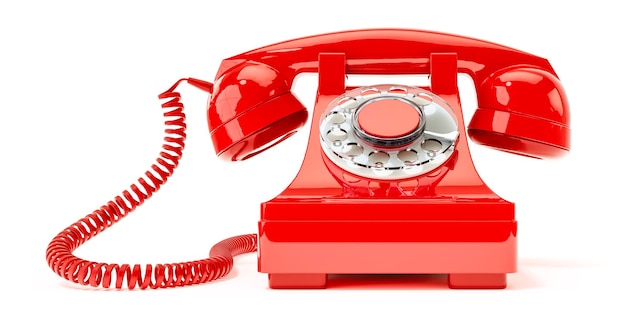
522	110
252	109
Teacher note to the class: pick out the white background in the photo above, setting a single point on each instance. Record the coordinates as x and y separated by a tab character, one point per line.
81	121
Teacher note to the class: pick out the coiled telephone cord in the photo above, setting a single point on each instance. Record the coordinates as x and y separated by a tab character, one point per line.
59	253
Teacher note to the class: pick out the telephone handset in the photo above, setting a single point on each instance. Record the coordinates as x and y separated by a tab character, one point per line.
536	97
387	184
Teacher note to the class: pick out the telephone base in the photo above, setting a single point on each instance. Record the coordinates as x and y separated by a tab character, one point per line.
474	241
303	262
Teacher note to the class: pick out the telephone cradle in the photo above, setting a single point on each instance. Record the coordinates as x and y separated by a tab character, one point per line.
387	184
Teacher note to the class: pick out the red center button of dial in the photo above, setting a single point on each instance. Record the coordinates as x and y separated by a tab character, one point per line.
388	118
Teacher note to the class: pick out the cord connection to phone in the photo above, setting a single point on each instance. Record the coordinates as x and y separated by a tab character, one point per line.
59	253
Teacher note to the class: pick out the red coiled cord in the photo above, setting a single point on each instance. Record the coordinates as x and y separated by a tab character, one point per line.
59	253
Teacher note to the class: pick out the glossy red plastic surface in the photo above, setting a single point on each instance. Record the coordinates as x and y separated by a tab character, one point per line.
522	110
250	79
477	281
252	109
444	221
447	221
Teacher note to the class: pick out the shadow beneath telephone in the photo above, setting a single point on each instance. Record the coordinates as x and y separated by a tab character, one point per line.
412	281
525	278
387	281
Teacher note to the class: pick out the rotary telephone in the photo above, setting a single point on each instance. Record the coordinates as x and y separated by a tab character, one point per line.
387	184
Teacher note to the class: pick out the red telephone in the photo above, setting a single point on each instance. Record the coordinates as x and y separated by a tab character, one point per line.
387	184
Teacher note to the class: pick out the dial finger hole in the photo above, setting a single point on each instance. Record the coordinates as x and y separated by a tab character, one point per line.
423	99
432	145
378	158
336	135
347	103
335	118
370	91
400	90
409	157
352	149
